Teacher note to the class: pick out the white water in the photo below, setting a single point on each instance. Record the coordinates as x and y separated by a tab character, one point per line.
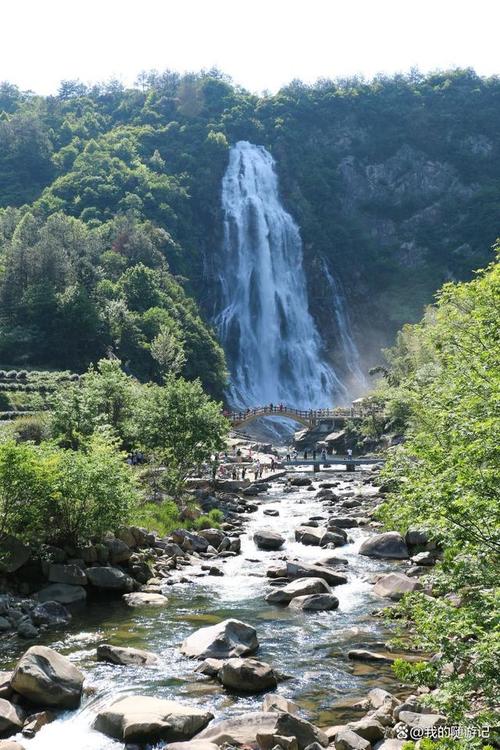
273	346
349	350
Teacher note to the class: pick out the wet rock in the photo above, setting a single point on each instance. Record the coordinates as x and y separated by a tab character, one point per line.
268	539
144	599
26	629
300	481
274	702
70	574
35	722
271	512
47	678
332	560
144	719
247	675
189	541
215	537
387	545
368	728
110	578
349	740
309	535
243	729
125	656
395	585
63	593
11	717
5	624
299	587
51	614
305	570
315	602
369	656
225	640
343	522
277	571
210	667
332	539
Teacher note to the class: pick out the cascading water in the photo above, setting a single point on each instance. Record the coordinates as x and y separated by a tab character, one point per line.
348	349
273	346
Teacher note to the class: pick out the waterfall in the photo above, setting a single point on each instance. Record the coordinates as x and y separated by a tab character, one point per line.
270	338
348	349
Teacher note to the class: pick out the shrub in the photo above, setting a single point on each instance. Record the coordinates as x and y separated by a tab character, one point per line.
33	428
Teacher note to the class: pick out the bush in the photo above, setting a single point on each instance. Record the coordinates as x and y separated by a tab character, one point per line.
33	428
57	496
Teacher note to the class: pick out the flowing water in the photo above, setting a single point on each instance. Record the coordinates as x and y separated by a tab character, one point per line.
310	647
273	347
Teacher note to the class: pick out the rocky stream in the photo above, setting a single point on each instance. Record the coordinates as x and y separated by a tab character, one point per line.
265	633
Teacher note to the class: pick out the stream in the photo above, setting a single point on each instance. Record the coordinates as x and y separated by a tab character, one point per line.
311	647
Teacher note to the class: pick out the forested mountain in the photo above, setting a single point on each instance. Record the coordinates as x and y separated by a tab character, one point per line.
112	194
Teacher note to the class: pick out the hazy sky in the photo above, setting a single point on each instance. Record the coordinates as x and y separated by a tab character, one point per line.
262	44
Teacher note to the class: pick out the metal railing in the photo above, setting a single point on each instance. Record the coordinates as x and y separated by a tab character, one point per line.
309	415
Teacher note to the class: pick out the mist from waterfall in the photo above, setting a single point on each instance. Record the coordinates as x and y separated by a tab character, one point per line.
268	333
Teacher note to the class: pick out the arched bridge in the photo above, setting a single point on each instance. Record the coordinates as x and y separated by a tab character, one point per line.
307	417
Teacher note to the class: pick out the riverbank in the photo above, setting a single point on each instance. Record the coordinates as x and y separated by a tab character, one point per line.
207	587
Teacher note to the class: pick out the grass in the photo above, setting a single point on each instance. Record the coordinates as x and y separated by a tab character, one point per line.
165	517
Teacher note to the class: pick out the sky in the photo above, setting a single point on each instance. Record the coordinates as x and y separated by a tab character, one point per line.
261	44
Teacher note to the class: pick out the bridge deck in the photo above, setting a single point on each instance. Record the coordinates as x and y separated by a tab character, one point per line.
334	461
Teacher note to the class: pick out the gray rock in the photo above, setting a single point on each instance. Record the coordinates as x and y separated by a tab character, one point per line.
368	728
214	537
395	585
119	552
379	697
349	740
189	541
331	539
390	544
305	570
11	717
299	587
5	688
110	578
247	675
35	722
225	640
391	744
416	537
243	729
421	721
315	602
45	677
144	599
300	481
268	539
70	574
424	558
342	522
144	719
125	656
63	593
26	629
275	702
309	535
371	656
51	614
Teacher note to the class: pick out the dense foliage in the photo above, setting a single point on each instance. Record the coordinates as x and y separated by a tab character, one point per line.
64	477
446	371
396	174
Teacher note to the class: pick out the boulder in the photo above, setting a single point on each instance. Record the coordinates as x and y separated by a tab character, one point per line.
300	481
268	539
390	544
331	539
342	522
272	741
315	602
422	722
225	640
210	667
63	593
368	728
35	722
189	541
47	678
417	537
274	702
191	745
15	554
395	585
144	719
349	740
144	599
299	587
51	614
247	675
424	558
214	537
305	570
71	574
125	656
360	654
110	578
11	717
243	729
379	697
5	688
391	745
309	535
